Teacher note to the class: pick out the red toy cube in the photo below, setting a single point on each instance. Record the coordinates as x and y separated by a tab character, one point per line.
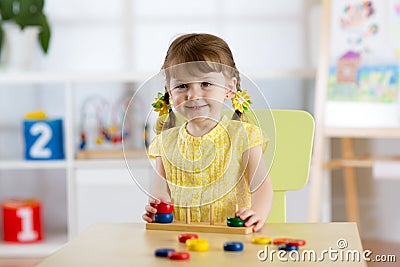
22	221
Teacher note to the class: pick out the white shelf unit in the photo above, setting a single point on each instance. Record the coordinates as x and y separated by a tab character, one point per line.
78	174
39	179
76	194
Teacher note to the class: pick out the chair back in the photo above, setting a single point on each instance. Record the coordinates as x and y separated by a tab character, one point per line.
288	153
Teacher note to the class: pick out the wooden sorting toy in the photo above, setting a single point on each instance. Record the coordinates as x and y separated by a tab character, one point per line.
203	227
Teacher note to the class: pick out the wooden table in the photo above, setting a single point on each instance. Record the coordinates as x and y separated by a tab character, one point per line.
129	244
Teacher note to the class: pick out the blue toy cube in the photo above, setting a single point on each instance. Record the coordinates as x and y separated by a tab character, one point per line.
43	139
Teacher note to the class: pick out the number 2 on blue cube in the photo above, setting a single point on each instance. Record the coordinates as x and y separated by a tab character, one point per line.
43	139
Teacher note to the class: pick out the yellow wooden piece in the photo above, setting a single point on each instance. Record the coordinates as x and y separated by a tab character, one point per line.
261	240
36	115
199	245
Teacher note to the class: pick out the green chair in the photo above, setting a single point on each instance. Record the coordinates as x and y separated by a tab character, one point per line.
292	139
290	134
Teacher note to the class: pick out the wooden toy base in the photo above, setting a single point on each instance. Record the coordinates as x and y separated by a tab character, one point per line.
199	227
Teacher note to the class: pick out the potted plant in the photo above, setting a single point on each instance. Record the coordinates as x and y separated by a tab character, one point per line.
25	13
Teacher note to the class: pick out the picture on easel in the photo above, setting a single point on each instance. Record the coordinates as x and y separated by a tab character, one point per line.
363	78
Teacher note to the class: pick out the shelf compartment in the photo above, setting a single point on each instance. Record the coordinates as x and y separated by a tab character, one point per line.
32	164
52	242
110	154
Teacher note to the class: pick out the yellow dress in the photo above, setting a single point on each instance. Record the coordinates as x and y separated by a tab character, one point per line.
207	169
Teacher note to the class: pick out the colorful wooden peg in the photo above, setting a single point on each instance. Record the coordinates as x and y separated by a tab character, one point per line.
164	207
164	217
234	222
187	215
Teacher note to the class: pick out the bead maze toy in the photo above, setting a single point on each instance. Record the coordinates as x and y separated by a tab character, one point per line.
101	123
234	225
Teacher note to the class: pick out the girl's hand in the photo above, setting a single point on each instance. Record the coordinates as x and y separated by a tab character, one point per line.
251	218
150	211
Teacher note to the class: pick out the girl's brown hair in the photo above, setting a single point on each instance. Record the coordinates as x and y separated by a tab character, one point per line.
199	47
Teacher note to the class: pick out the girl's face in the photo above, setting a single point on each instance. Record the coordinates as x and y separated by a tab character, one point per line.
201	96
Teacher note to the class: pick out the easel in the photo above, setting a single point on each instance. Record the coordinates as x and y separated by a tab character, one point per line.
210	227
321	163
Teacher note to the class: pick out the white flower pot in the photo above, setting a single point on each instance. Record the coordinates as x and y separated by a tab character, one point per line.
19	47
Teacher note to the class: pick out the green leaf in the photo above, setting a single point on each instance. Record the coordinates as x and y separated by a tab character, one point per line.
44	34
6	9
30	13
157	105
1	38
26	13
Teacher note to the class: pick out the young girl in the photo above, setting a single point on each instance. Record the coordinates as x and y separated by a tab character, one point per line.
210	158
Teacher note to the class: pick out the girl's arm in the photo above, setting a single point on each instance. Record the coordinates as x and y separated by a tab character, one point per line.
159	192
261	199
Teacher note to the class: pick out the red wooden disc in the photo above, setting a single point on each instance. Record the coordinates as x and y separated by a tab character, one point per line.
295	242
179	255
164	207
281	241
183	237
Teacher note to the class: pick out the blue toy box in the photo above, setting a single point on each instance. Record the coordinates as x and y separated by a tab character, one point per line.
43	139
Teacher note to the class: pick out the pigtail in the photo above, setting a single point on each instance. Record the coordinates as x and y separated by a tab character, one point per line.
171	121
238	115
166	118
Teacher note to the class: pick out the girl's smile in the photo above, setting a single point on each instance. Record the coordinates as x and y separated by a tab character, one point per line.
195	107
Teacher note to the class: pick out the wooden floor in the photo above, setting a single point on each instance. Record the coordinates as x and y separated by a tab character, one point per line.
377	247
382	248
19	262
